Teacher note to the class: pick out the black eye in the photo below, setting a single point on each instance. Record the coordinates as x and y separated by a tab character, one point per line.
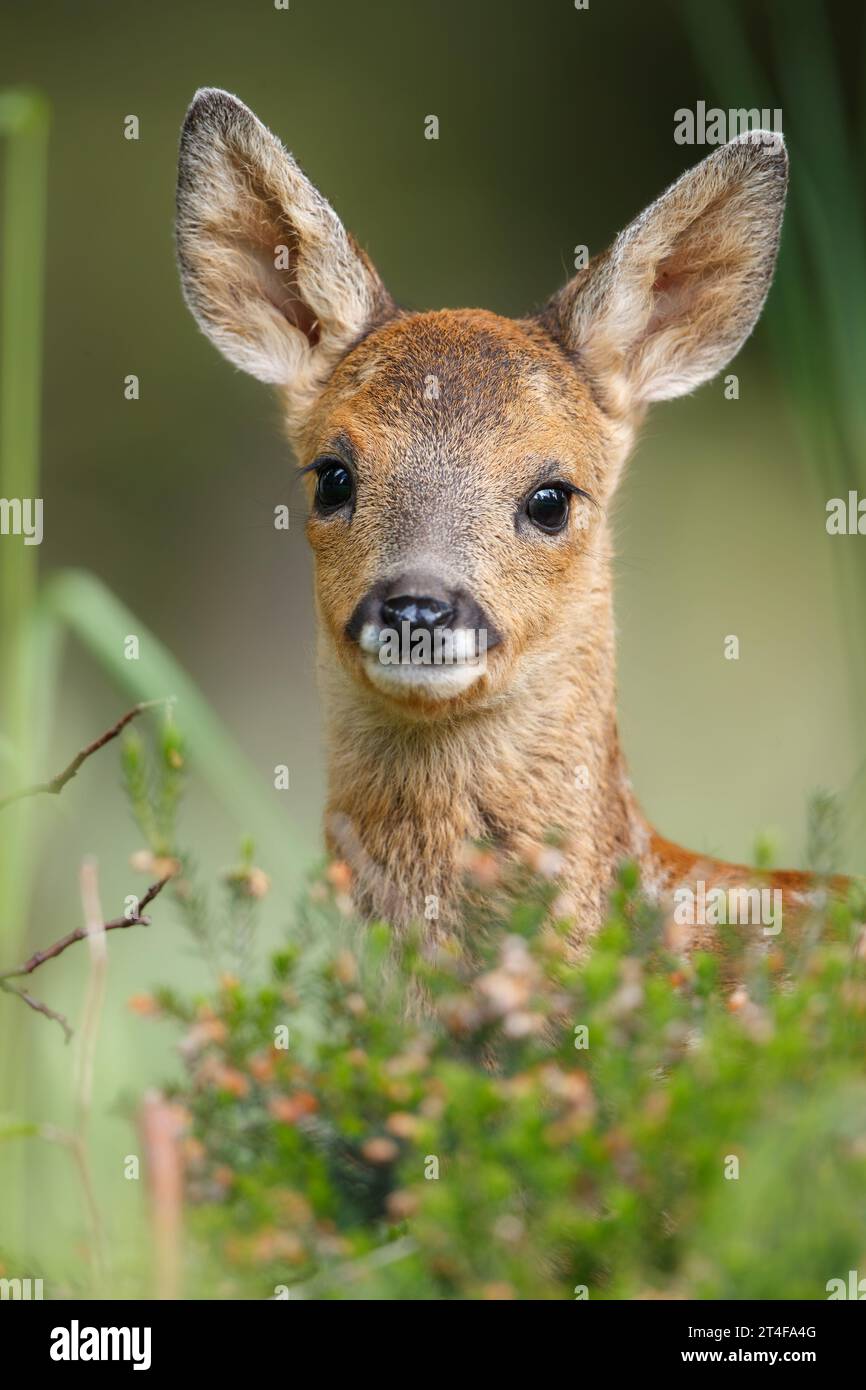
548	508
334	486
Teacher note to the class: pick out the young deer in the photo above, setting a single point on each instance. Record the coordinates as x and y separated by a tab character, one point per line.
460	468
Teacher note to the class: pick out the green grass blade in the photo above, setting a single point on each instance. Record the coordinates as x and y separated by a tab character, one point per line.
24	127
24	648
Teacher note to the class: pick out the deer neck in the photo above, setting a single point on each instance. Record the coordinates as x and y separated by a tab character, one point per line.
405	795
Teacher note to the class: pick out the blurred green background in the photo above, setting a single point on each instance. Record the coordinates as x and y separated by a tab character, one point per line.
556	128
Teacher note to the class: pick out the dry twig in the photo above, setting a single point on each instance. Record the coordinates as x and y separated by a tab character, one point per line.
15	972
53	788
56	785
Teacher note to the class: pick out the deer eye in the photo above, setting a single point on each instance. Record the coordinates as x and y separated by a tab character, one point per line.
548	509
334	486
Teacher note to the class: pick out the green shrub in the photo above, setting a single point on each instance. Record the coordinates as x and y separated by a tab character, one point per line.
488	1118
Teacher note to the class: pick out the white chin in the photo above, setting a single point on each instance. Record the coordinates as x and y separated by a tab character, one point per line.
431	682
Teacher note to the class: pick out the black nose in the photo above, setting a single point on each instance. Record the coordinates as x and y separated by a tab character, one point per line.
418	612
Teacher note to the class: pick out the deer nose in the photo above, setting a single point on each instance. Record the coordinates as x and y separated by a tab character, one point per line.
418	611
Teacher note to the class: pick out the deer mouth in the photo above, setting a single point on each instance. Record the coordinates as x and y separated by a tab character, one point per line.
436	664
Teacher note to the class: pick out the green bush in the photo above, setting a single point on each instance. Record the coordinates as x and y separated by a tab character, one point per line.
488	1118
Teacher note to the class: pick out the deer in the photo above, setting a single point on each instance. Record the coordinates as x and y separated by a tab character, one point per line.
460	469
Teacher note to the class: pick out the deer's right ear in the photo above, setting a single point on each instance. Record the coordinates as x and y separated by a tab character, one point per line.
268	270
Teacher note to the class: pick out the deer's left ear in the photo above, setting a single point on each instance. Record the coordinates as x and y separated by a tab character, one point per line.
678	293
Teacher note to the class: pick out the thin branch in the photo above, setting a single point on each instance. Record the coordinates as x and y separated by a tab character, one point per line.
38	1006
56	785
116	924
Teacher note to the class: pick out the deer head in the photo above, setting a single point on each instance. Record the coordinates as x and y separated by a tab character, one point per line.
460	465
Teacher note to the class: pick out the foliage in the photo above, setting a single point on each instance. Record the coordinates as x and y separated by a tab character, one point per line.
489	1118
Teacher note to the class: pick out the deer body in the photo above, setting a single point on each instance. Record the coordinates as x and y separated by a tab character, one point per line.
459	468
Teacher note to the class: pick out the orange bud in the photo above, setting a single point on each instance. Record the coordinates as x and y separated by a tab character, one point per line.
261	1066
231	1080
737	999
379	1150
401	1205
402	1124
339	875
143	1004
289	1109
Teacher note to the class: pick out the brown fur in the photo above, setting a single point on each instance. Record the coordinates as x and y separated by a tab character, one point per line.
440	482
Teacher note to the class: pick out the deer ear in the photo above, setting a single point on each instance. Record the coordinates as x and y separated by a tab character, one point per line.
267	268
678	293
